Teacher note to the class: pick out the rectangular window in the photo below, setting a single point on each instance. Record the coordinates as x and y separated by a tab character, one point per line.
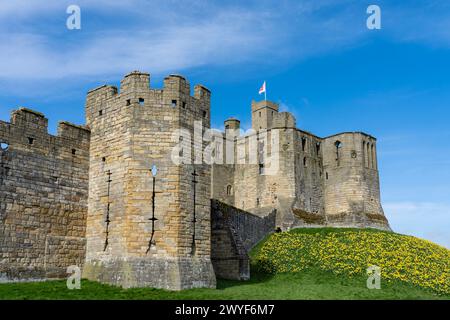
261	168
174	103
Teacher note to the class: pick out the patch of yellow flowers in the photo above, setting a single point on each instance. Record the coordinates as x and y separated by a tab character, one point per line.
400	257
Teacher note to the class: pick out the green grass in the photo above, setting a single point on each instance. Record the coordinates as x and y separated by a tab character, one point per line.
311	283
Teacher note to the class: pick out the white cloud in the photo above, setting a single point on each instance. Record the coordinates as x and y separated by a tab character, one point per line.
428	220
160	36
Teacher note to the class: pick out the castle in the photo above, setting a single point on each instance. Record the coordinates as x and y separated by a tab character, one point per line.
146	194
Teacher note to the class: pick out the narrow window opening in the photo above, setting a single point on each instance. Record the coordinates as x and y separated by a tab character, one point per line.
128	102
317	148
183	105
103	159
372	156
303	144
30	140
100	112
174	103
257	202
74	151
204	114
304	162
229	190
141	101
326	175
261	168
227	126
260	114
338	145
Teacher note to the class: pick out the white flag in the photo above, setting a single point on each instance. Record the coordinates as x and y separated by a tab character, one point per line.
263	88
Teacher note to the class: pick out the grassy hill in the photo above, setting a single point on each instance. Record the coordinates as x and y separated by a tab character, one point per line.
300	264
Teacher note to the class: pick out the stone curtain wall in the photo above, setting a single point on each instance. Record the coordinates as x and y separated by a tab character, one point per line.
43	197
234	233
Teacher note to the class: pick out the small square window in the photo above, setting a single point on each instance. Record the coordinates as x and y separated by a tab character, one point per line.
30	140
204	114
74	151
128	102
103	159
141	101
174	103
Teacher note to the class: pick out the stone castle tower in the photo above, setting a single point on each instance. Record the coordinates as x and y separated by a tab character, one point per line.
130	132
128	199
310	181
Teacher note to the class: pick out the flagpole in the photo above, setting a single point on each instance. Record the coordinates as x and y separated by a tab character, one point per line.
265	91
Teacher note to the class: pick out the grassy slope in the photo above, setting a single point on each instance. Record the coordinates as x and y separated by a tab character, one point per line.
309	284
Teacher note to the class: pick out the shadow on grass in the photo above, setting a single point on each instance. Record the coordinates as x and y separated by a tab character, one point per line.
255	278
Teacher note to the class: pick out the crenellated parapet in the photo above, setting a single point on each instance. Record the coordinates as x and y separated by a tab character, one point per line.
43	196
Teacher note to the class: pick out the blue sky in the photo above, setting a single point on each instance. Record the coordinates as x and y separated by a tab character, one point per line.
318	58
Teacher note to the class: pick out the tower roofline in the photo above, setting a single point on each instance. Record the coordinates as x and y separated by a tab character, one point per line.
257	105
351	132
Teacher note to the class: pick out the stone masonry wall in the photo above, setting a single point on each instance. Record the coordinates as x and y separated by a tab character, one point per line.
351	189
234	233
132	131
312	187
43	197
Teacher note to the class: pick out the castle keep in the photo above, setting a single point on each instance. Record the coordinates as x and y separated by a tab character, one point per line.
310	181
120	198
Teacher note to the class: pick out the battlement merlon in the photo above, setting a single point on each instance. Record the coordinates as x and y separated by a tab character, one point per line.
136	82
25	117
96	100
73	131
202	93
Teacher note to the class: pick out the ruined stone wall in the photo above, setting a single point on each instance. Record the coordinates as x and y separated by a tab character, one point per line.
132	131
43	197
351	190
